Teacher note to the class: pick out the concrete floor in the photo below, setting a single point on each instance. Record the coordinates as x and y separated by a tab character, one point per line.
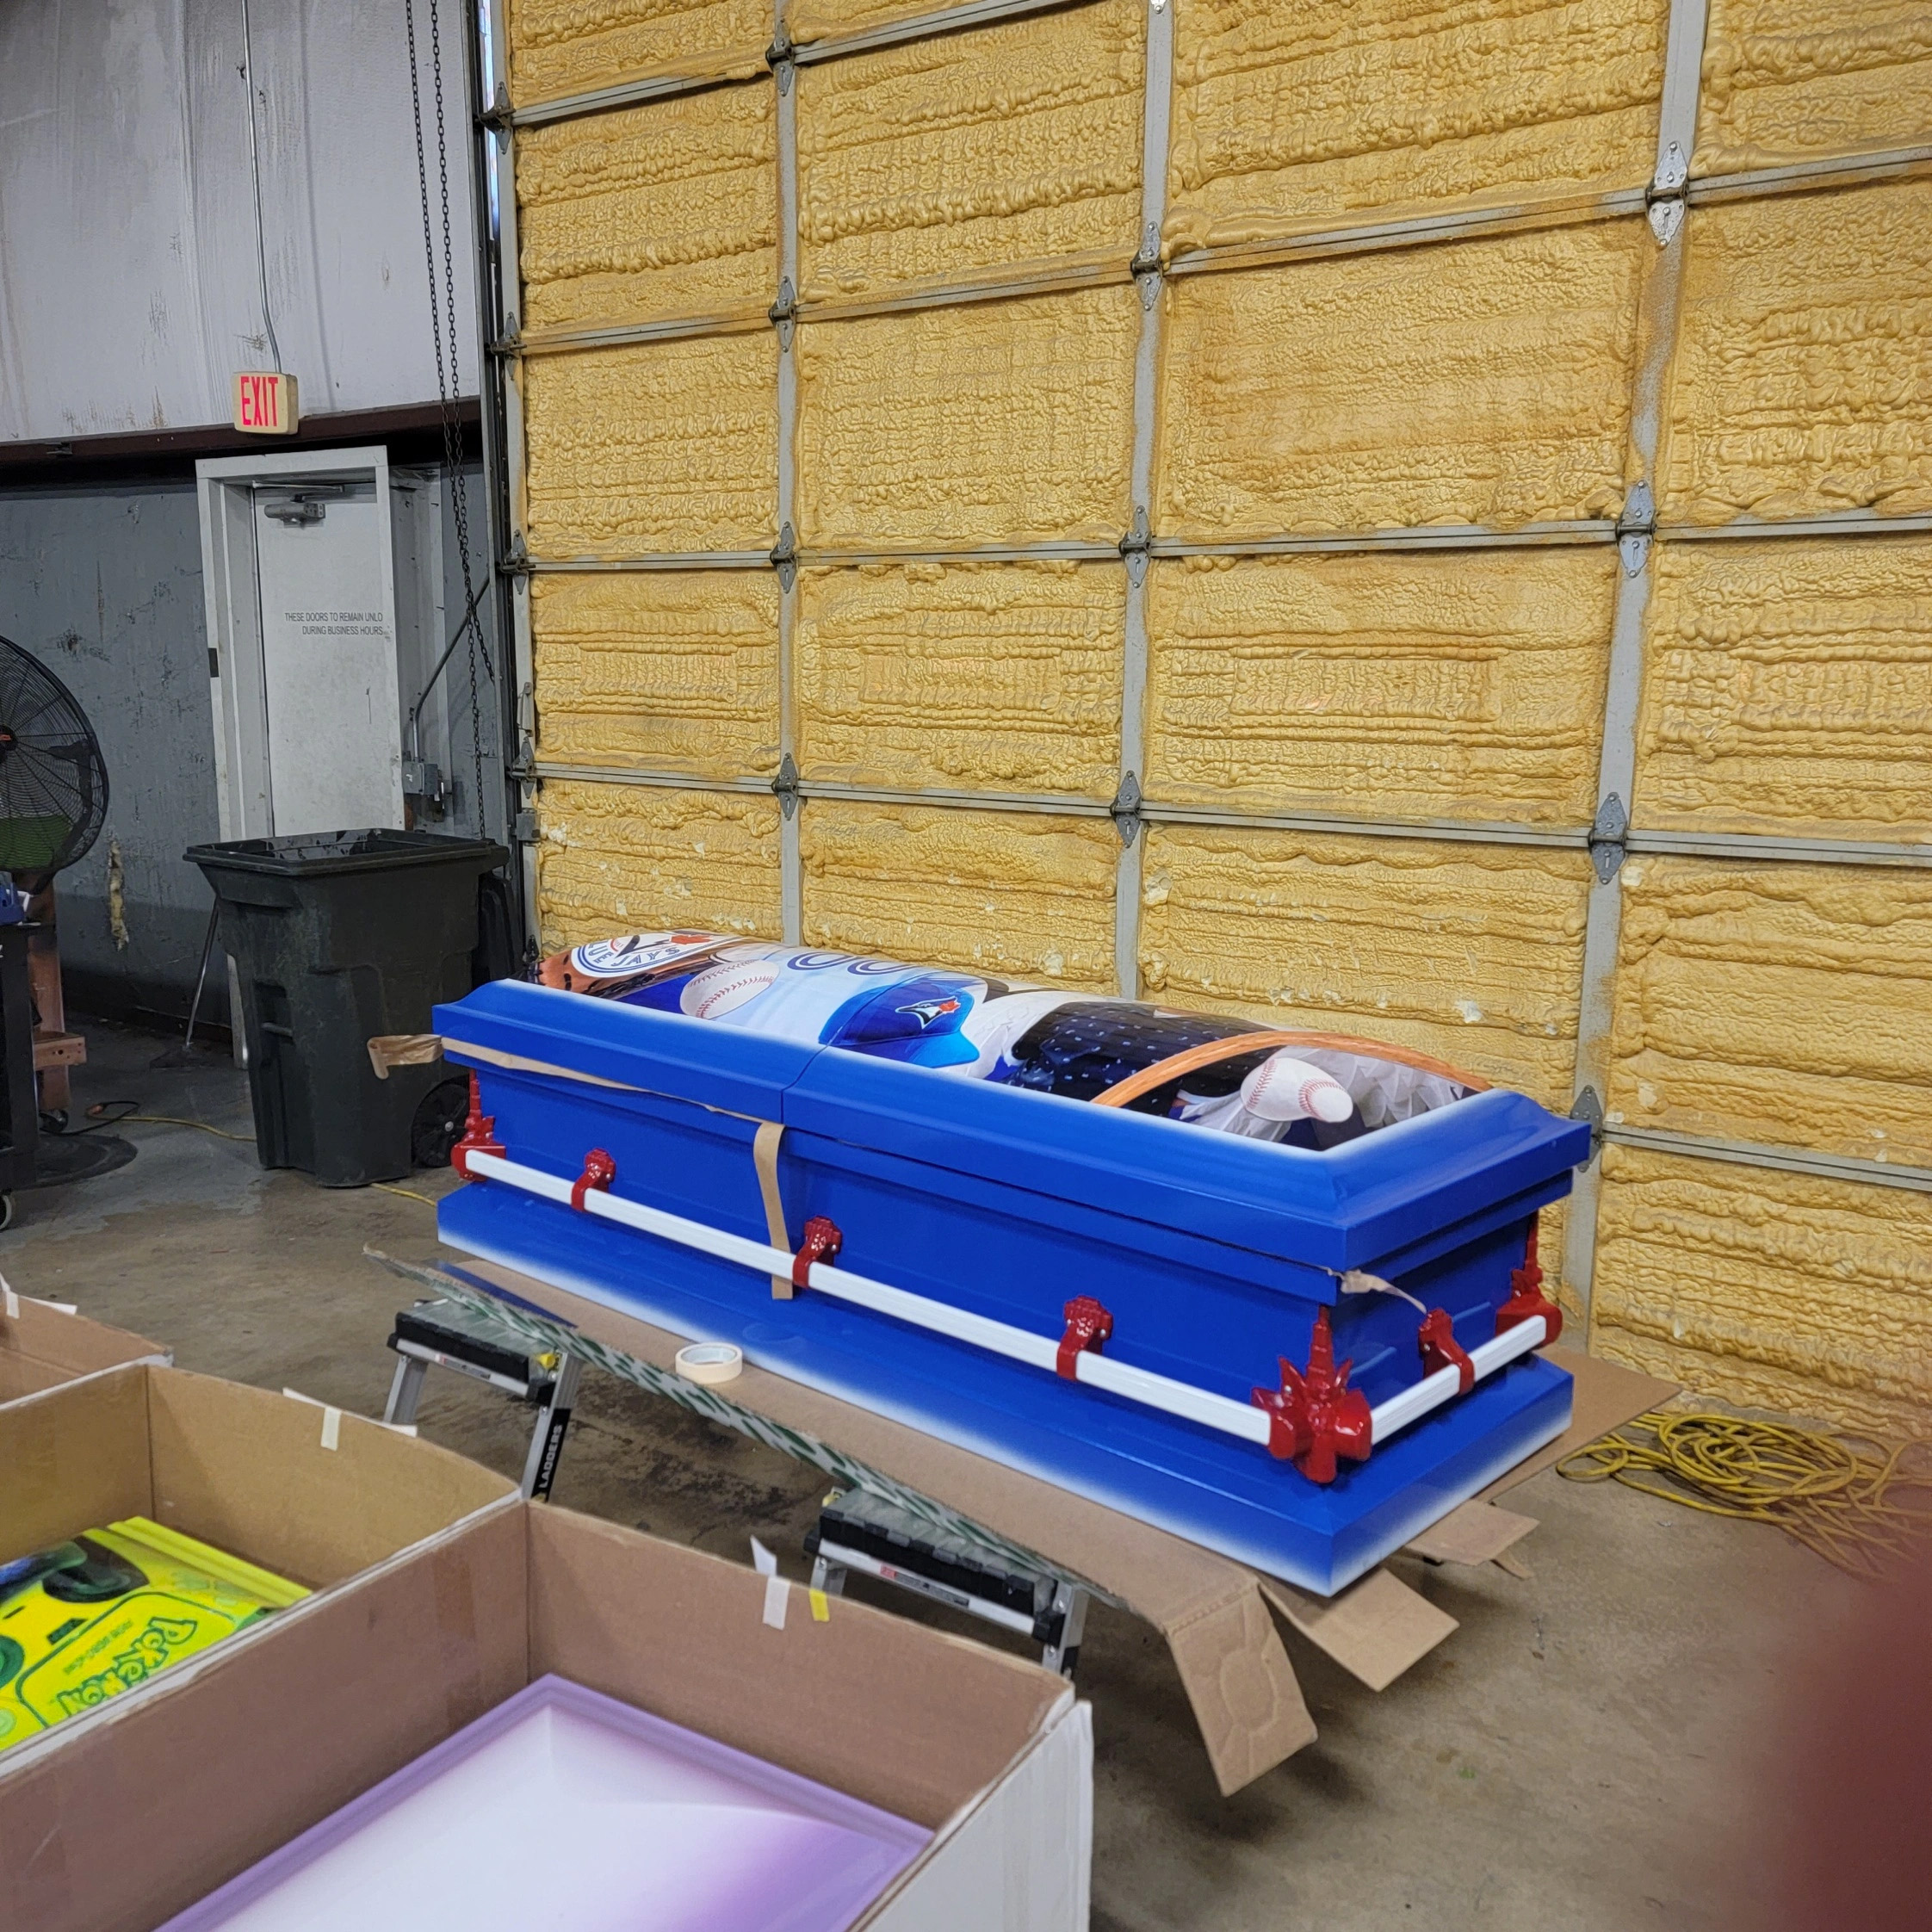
1577	1754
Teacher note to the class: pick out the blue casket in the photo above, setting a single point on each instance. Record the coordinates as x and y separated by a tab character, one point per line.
1130	1309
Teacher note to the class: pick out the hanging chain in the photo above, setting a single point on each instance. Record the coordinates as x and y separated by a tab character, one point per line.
448	381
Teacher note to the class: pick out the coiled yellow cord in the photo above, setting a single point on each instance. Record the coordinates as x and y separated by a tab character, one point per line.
1842	1496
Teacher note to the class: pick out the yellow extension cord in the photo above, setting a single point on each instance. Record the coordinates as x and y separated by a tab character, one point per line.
1838	1495
176	1120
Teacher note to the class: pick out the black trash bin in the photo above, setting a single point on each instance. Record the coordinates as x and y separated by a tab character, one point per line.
339	937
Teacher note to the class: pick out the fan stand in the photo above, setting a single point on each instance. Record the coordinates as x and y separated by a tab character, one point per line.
55	1050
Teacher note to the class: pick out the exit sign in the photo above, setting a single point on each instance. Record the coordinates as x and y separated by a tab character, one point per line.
265	404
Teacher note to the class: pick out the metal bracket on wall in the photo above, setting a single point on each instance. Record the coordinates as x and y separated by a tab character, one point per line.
1635	527
1608	833
1125	810
784	311
1134	547
1665	199
497	116
779	57
784	557
516	560
523	827
1586	1107
786	785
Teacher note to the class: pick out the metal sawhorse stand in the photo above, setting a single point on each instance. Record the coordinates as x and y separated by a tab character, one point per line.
444	1334
861	1532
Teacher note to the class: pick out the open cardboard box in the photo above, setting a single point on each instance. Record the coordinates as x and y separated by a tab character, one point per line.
145	1808
43	1344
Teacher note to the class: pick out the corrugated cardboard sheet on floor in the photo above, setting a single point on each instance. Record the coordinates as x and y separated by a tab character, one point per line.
153	1803
1210	1609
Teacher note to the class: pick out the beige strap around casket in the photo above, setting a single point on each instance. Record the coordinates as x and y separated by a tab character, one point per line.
764	1142
764	1157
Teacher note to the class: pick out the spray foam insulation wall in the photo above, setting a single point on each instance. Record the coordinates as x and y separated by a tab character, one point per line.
1802	378
640	858
1801	80
661	446
1788	689
575	46
992	677
942	159
1400	684
1781	1004
1301	114
1484	380
1782	1290
1006	893
1478	383
665	671
994	423
1472	952
669	209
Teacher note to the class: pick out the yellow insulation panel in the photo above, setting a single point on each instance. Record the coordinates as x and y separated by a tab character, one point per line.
1777	1291
994	423
1005	892
1788	688
1462	683
993	677
943	160
1803	379
1471	952
635	859
662	446
669	209
1477	382
1801	80
1304	115
575	46
824	20
663	671
1787	1004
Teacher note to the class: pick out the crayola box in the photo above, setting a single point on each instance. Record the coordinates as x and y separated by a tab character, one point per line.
94	1616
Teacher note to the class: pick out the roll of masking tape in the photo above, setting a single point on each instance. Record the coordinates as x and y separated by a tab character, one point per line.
709	1361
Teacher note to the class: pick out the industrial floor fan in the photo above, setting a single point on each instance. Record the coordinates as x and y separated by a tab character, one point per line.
53	801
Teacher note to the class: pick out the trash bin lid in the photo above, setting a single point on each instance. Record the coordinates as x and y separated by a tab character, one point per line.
370	849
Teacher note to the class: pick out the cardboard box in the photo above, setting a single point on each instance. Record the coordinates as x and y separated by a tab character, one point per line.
43	1344
316	1498
145	1809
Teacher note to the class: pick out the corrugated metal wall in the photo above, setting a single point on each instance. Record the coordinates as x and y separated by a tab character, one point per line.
1411	516
130	285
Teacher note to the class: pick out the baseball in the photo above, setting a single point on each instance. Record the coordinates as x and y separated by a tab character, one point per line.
719	990
1284	1088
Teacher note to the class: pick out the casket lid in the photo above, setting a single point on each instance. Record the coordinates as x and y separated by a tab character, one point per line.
1367	1205
604	1040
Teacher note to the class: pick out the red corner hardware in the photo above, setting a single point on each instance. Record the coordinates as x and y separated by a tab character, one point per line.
599	1171
1088	1325
822	1243
1436	1339
1315	1416
1527	1298
480	1134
